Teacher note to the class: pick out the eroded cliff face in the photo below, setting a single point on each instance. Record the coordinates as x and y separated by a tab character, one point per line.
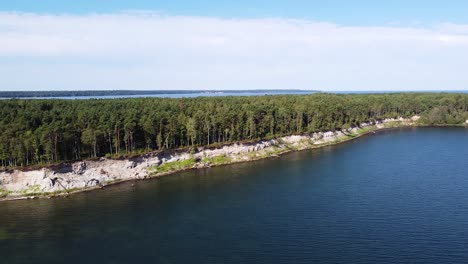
84	175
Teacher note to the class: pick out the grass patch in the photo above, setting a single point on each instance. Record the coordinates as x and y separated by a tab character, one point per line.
269	154
217	160
32	190
4	193
363	130
275	151
173	166
4	234
111	181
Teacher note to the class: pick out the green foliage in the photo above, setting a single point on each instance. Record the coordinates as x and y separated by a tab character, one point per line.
444	115
52	131
4	235
173	166
32	190
217	160
4	193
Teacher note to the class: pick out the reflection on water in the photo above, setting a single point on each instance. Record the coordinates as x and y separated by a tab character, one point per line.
396	196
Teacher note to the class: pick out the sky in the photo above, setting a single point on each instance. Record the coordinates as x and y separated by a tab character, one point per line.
322	45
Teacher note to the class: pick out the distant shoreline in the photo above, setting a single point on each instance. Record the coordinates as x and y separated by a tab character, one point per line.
139	93
111	94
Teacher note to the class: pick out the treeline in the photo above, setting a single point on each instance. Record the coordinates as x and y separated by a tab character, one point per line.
48	131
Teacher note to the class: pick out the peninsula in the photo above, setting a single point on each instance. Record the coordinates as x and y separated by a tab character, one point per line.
58	147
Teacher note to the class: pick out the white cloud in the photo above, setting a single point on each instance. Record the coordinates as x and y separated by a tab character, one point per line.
145	50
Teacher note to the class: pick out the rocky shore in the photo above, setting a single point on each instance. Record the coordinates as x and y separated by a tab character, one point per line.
86	175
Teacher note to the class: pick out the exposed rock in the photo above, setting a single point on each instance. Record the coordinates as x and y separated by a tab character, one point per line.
92	183
46	184
79	167
153	161
292	139
82	175
365	124
328	134
317	136
201	165
130	164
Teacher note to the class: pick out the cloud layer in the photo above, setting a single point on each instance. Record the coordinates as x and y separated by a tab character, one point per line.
146	50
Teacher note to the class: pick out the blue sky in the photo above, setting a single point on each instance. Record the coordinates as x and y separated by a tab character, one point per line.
328	45
357	12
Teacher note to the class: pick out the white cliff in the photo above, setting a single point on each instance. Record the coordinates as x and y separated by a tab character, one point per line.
85	175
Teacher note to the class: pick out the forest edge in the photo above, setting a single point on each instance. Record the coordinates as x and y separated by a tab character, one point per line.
87	175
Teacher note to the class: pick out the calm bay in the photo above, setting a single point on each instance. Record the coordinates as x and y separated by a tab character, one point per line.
395	196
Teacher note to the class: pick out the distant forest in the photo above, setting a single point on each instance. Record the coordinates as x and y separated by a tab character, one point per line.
88	93
50	131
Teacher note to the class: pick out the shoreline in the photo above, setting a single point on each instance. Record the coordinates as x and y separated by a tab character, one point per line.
151	165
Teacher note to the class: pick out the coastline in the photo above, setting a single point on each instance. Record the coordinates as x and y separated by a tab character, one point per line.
87	175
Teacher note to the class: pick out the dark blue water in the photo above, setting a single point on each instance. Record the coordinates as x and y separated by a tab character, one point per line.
397	196
176	95
227	93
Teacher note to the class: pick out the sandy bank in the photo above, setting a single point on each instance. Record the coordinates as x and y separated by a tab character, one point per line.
88	175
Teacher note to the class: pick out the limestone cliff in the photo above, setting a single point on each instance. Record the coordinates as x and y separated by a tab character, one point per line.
91	174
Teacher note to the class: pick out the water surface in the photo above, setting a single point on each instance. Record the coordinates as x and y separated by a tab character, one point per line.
397	196
172	94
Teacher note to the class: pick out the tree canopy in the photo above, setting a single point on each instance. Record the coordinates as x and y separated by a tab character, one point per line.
46	131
